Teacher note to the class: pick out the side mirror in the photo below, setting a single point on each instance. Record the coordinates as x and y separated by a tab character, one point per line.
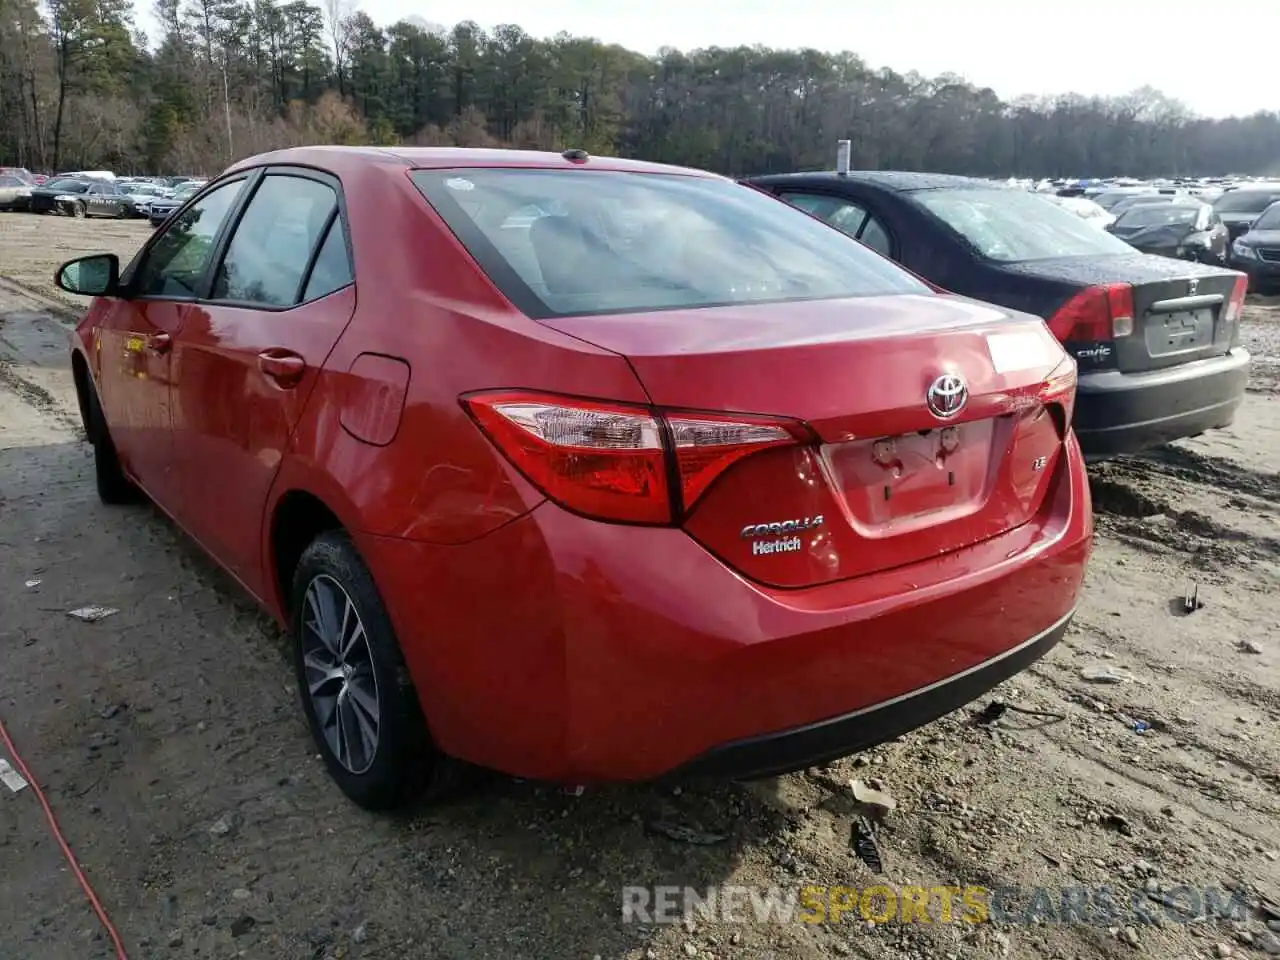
94	276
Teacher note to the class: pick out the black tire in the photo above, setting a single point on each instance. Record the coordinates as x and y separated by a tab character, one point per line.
114	487
78	210
406	763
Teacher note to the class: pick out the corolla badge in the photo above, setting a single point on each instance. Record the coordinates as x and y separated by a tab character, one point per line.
947	396
781	528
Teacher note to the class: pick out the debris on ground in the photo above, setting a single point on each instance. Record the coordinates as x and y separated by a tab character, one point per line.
1191	601
92	614
869	796
225	825
1248	646
1134	724
32	584
996	709
242	925
863	840
11	778
684	834
1105	674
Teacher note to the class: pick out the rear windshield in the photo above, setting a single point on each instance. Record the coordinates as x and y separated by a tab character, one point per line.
1109	200
1245	201
1012	225
566	242
1270	220
1153	214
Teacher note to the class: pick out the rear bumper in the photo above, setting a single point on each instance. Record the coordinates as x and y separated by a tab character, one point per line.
1118	413
817	743
563	649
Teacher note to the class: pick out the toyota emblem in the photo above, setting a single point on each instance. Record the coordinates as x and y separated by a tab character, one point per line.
1192	286
947	396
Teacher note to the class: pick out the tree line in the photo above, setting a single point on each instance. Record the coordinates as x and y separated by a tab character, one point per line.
82	87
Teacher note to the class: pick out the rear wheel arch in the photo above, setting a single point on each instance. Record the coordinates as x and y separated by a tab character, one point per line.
298	518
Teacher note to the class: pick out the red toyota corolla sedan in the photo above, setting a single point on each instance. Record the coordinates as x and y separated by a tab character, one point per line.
585	469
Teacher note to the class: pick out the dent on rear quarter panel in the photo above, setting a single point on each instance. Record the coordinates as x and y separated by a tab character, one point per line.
423	302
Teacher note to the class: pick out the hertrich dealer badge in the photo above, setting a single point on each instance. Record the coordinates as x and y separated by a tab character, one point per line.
785	533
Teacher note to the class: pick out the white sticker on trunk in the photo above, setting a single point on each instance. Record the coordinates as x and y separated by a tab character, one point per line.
1016	351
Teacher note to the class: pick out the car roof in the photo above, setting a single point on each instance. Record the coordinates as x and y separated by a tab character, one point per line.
339	159
1176	205
896	181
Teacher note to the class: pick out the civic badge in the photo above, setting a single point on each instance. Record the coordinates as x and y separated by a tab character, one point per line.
1192	286
947	396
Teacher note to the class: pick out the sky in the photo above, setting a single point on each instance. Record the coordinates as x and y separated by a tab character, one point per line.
1215	64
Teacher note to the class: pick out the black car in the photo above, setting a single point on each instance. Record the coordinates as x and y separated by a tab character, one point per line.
1156	340
1189	230
1240	207
1257	251
80	198
54	195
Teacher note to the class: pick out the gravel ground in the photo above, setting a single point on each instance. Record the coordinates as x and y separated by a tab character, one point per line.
171	747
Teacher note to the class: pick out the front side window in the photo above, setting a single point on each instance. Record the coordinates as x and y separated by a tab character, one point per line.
177	261
1012	225
614	242
269	252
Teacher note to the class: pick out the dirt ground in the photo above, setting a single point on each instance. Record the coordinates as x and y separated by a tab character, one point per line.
171	747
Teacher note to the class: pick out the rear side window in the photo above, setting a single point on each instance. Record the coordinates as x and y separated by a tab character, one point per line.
285	221
566	242
845	215
332	270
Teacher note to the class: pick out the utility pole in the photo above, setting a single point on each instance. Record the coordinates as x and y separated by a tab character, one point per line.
226	107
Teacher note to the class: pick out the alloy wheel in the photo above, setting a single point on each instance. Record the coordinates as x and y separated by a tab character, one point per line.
340	678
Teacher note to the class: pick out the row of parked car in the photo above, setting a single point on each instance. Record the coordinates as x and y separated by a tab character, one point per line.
1234	223
613	470
97	193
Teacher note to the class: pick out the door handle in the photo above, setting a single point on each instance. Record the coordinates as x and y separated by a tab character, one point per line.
285	368
159	342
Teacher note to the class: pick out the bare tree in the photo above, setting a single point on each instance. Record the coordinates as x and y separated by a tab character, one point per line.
335	15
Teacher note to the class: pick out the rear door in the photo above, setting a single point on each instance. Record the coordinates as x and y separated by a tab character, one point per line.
249	354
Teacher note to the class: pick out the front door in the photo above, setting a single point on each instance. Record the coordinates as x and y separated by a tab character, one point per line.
138	335
249	356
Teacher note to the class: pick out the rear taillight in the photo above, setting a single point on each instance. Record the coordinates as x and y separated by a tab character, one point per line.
1235	306
1097	313
706	446
614	461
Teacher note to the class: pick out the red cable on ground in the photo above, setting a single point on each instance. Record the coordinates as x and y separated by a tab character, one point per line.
66	849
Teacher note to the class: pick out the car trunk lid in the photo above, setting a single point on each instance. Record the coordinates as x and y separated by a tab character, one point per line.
885	480
1179	309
